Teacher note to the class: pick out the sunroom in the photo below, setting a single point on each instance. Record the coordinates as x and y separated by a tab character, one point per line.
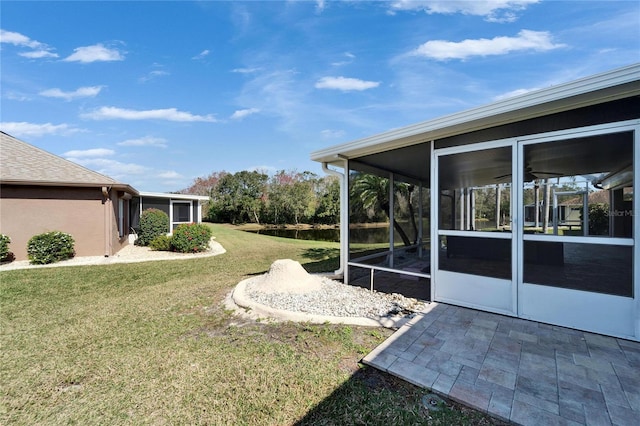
181	208
523	207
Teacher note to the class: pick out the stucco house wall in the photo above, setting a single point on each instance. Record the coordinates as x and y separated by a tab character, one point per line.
81	212
76	211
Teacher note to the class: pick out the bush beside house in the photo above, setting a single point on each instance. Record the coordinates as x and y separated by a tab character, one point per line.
5	254
153	223
161	243
191	238
50	247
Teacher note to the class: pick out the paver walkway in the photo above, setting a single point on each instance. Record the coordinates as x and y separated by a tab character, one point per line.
526	372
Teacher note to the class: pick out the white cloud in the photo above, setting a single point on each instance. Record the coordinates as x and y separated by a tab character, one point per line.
246	70
21	128
96	159
514	93
17	96
202	54
345	84
492	10
96	53
152	75
332	134
320	6
526	40
170	174
38	54
169	114
350	57
89	153
278	94
81	92
145	141
17	39
242	113
41	50
112	168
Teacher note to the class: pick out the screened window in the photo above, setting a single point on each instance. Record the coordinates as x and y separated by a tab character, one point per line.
181	211
578	228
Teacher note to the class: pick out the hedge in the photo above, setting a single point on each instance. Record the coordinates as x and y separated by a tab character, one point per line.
50	247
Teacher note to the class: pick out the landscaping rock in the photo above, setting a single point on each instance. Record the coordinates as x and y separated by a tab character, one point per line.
287	276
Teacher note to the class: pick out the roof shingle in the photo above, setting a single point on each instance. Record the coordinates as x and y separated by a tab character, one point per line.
22	163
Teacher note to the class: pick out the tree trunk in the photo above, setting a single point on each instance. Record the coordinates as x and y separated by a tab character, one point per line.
413	221
403	234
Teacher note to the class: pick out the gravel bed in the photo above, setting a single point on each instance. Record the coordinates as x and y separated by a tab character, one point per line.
337	299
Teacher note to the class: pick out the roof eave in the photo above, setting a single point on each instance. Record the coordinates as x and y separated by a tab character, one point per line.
174	196
111	185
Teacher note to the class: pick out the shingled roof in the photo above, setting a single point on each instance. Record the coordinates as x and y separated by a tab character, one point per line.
24	164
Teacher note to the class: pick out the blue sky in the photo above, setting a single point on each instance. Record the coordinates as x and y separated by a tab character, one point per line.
155	94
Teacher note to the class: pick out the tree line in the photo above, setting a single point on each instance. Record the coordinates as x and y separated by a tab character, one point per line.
286	197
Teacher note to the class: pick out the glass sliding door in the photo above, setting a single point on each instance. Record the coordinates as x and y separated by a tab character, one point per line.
542	227
475	258
577	233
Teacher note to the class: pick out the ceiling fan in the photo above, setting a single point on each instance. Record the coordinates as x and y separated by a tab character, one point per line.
530	174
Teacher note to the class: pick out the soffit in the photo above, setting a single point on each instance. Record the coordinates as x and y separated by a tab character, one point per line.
573	157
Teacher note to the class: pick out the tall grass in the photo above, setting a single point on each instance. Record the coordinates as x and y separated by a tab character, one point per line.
150	343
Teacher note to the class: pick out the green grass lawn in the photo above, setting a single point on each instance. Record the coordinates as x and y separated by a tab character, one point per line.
150	343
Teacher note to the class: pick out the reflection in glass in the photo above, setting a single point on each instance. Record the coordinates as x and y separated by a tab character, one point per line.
475	190
480	208
370	203
597	268
580	187
369	207
489	257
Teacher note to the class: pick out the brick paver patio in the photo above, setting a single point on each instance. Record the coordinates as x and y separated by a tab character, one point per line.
522	371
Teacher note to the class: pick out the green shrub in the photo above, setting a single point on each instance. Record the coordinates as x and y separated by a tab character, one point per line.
153	222
598	219
4	247
50	247
160	243
191	238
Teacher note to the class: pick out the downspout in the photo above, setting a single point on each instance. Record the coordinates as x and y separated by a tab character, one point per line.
344	219
107	222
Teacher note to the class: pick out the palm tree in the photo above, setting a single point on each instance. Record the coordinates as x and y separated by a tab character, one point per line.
373	191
